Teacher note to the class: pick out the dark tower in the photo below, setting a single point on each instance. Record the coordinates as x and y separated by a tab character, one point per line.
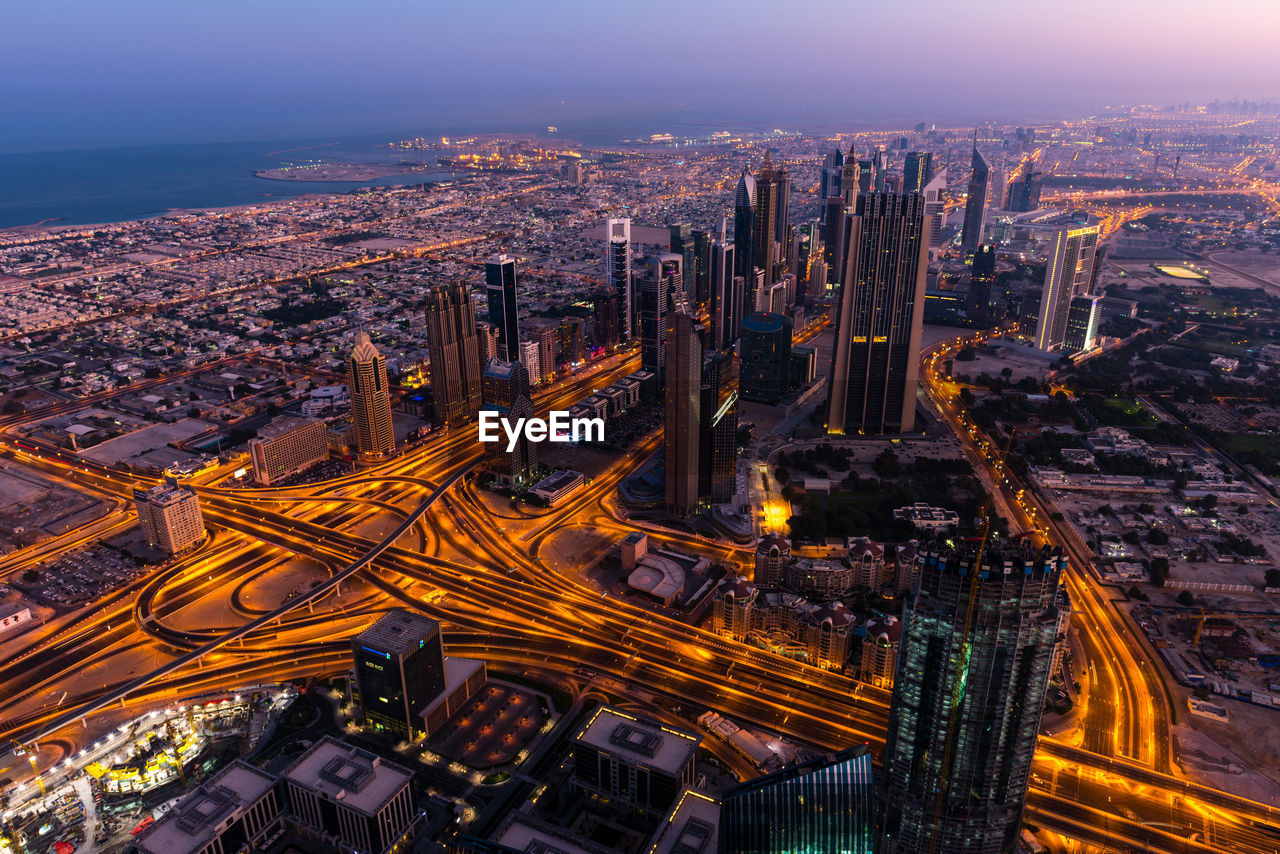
500	283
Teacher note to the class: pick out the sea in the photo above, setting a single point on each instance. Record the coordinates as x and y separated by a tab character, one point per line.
90	186
105	185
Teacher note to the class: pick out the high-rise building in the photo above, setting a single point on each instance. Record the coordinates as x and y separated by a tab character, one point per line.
700	272
875	362
1082	324
500	282
506	392
976	650
726	302
744	224
935	210
1068	274
829	182
765	245
764	358
531	358
782	218
169	516
287	445
834	231
604	317
370	398
1024	193
718	431
683	411
663	277
880	651
681	243
399	670
982	277
917	171
454	348
849	179
824	805
975	205
618	271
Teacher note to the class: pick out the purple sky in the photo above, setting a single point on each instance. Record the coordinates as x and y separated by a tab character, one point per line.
87	74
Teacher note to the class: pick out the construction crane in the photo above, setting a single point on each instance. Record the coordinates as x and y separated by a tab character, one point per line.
1205	615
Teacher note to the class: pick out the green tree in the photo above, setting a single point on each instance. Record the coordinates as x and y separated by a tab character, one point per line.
1159	571
1186	599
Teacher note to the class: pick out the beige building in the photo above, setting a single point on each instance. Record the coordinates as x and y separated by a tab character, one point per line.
370	399
286	446
880	652
169	516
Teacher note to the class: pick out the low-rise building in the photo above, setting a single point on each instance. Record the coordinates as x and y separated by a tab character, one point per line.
237	810
287	446
169	516
927	518
632	761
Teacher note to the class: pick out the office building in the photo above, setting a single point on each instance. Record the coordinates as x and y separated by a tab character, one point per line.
286	446
632	761
370	399
681	243
833	236
718	431
1024	193
399	670
169	516
977	644
488	335
605	323
506	392
531	358
1082	324
824	805
982	278
764	357
764	246
663	278
726	301
618	272
237	809
349	800
700	273
692	827
849	179
975	205
744	225
500	285
683	412
935	210
875	361
917	171
829	180
782	219
454	348
1068	275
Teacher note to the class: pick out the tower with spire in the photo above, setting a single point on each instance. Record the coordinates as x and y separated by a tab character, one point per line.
370	398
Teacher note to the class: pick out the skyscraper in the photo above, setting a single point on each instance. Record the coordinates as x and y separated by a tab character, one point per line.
370	398
982	277
917	171
662	278
604	317
725	299
500	282
454	348
506	392
829	182
934	209
681	243
1024	193
975	205
764	359
976	649
399	670
875	362
824	805
849	179
764	242
782	217
718	416
618	271
1082	324
1068	274
744	224
683	410
700	271
834	228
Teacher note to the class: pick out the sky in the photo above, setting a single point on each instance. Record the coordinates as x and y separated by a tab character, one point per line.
80	74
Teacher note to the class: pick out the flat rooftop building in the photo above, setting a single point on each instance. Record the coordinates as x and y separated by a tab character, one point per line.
238	809
633	761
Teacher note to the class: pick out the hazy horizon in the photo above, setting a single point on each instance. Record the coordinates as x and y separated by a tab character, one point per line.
142	72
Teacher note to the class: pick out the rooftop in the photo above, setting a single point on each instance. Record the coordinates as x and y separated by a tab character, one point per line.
639	740
360	780
194	822
398	632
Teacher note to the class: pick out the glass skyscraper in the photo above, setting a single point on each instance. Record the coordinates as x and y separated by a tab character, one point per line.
765	357
823	806
976	650
500	285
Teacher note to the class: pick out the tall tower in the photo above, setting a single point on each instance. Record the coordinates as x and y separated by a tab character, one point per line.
744	224
663	277
764	371
683	415
782	217
454	347
875	362
982	276
725	301
917	171
974	659
829	183
765	247
849	179
935	210
506	392
500	282
370	398
1068	274
975	205
618	271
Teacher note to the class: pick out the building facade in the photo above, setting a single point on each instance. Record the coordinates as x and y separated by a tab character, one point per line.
764	357
500	288
399	670
454	347
1068	275
370	399
169	516
286	446
681	434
